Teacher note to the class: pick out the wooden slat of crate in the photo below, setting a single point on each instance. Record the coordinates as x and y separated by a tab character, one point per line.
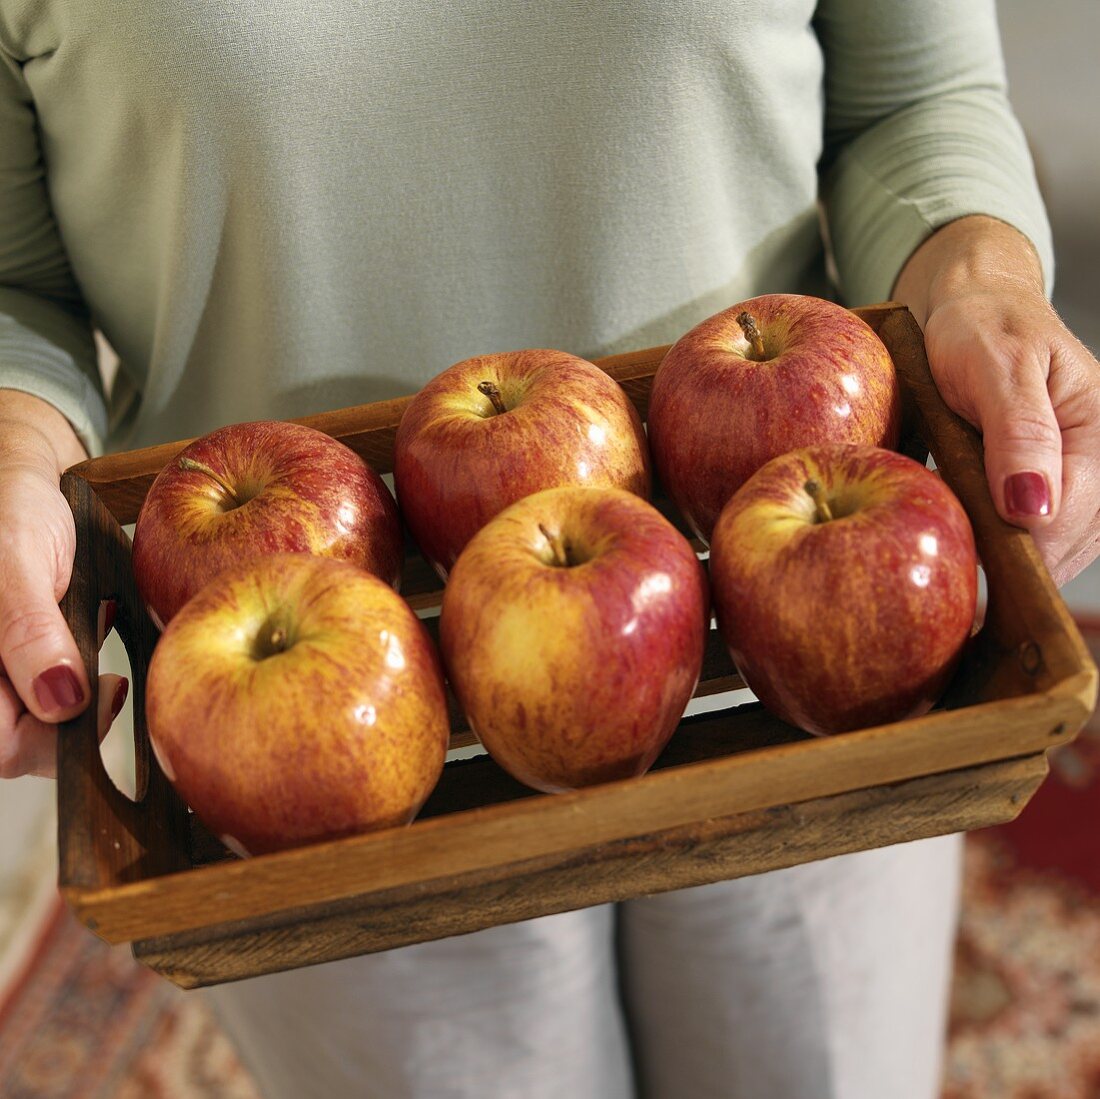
693	854
497	835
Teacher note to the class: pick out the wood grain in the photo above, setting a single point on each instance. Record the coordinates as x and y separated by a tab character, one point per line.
541	826
694	854
103	838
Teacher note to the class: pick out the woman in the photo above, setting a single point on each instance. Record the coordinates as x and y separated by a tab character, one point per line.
280	209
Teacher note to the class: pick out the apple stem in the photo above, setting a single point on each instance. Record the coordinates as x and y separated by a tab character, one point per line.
748	325
557	547
491	391
821	505
272	638
191	466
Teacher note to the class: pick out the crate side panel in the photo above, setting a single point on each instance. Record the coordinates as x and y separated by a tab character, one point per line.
697	854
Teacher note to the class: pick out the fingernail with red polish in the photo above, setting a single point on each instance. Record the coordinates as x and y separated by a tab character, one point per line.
107	611
119	699
57	689
1026	494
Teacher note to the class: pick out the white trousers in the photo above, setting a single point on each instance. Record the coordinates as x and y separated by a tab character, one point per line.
824	981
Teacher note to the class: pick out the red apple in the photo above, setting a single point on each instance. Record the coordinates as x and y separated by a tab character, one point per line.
493	429
294	699
845	585
254	489
572	630
757	380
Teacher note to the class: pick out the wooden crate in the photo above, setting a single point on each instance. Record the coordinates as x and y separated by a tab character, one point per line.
736	792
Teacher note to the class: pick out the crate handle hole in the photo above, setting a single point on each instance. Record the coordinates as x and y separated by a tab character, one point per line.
117	747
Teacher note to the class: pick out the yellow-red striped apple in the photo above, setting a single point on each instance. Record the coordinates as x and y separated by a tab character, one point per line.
295	699
493	429
845	581
572	630
254	489
771	374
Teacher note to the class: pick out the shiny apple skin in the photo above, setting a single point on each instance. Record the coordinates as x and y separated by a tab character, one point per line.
577	675
312	495
345	731
457	464
853	622
716	416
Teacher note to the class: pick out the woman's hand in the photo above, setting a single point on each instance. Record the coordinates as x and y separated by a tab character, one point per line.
42	678
1003	360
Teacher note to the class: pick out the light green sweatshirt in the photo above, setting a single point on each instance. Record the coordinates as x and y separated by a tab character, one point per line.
272	208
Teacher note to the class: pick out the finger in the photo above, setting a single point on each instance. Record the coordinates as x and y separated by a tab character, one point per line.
113	692
1065	560
28	746
108	610
1023	443
1068	544
1076	563
11	709
36	648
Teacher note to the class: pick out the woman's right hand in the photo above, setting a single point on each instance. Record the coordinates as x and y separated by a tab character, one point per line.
42	678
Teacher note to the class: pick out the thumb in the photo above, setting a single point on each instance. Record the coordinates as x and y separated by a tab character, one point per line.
1023	449
36	649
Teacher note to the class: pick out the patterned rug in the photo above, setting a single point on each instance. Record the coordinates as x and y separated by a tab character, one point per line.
87	1022
84	1021
1026	1006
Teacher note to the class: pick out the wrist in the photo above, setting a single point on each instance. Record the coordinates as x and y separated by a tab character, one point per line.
35	433
969	256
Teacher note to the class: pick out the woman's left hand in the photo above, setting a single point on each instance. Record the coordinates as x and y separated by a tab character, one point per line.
1003	360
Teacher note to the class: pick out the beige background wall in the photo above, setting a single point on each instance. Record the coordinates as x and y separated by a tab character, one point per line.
1050	50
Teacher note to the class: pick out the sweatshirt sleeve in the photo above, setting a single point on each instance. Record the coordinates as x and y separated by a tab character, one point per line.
918	132
46	342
